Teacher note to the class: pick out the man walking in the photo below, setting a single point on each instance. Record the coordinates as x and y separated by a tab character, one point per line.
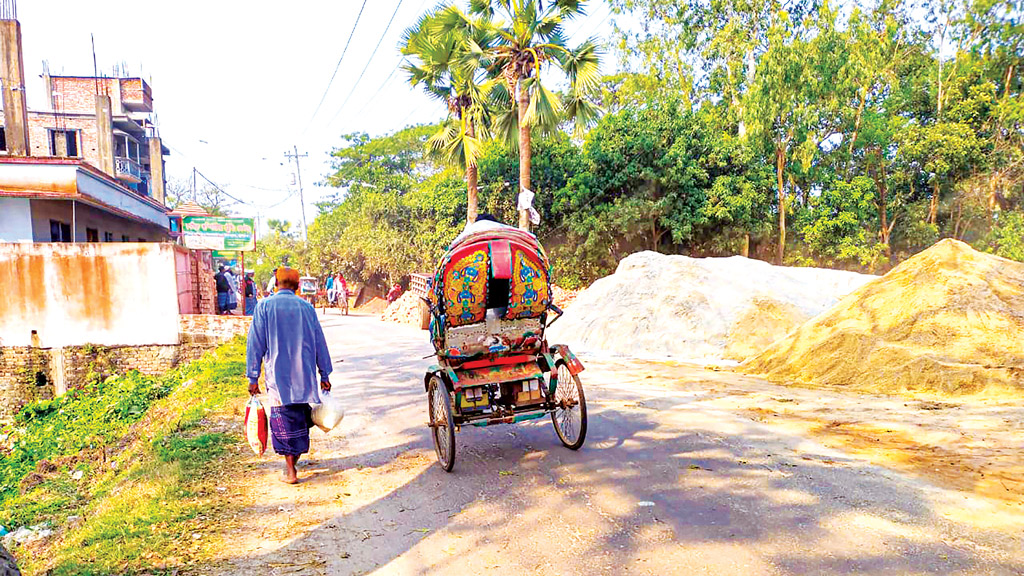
286	337
223	287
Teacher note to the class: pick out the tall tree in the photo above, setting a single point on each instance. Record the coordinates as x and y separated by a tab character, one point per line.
530	35
448	62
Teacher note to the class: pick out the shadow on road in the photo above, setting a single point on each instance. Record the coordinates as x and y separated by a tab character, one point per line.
661	487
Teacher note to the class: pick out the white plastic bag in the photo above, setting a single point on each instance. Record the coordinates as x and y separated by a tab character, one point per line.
328	413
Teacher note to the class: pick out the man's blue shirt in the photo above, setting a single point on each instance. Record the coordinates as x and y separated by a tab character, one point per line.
286	337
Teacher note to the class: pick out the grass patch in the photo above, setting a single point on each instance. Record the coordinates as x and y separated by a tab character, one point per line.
145	490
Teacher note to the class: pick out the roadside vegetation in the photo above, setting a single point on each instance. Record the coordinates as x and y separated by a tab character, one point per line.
803	134
116	468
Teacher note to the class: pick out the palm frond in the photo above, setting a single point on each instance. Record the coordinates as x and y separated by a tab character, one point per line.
583	67
545	107
582	112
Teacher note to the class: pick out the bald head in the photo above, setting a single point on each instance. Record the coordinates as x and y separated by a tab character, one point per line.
288	279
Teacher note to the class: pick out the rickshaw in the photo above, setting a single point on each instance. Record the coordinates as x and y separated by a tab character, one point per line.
308	289
490	302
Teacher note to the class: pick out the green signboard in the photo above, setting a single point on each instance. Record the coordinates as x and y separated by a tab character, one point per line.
217	233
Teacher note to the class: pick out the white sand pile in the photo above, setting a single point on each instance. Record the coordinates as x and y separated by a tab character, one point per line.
697	309
948	320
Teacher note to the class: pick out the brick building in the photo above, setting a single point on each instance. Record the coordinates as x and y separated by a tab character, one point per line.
87	167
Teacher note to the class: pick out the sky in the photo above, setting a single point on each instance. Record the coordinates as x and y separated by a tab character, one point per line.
235	85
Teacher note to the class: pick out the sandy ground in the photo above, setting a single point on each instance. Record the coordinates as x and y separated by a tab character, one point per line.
685	471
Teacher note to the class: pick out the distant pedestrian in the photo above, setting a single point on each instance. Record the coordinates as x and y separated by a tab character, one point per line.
232	279
250	294
395	292
223	287
329	286
272	284
287	339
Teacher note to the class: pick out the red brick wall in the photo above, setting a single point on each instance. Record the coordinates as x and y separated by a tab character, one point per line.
40	122
79	94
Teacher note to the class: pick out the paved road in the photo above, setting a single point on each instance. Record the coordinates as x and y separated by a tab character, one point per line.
664	485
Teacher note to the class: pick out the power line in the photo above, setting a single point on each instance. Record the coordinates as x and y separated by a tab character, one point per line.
368	62
336	67
382	84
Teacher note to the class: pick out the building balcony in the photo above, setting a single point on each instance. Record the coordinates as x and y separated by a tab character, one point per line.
128	170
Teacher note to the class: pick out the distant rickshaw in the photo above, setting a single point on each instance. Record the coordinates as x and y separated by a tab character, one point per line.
308	289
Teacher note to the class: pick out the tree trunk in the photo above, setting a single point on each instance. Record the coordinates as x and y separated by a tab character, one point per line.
472	177
524	154
856	129
745	249
933	207
881	183
780	160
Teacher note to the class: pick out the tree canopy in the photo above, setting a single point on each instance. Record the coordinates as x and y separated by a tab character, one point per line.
798	133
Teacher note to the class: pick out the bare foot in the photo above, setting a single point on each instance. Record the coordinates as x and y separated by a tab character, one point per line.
289	479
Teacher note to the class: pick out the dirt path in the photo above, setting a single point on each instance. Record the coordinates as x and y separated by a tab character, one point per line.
685	471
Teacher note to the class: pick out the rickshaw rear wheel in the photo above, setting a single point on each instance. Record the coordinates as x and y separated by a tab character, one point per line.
570	413
442	425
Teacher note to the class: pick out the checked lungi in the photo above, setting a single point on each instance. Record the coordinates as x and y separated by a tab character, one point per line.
289	428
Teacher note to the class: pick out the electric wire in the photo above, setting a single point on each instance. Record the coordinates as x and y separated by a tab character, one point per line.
336	67
368	62
382	84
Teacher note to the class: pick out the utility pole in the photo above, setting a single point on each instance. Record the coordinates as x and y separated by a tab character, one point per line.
298	177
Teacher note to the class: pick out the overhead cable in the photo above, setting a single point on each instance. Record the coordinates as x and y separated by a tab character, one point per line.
336	67
368	62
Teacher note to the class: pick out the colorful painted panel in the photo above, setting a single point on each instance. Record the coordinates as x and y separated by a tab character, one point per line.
494	374
530	291
465	288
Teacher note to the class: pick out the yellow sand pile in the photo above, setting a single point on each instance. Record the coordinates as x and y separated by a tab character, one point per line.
949	320
764	322
408	309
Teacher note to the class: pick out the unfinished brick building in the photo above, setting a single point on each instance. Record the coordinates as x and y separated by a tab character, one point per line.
88	166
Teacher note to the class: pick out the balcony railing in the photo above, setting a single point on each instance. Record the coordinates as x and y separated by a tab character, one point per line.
128	169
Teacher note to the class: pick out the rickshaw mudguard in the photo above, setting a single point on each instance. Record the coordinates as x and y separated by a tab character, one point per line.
447	374
571	361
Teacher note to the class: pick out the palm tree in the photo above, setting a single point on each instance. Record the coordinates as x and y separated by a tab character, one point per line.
528	36
449	62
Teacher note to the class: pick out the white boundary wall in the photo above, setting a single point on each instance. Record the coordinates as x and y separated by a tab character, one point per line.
88	293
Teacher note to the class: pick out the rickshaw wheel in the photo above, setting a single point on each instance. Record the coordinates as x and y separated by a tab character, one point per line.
442	426
570	413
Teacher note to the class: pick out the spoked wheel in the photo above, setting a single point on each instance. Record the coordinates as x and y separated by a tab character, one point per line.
442	427
570	413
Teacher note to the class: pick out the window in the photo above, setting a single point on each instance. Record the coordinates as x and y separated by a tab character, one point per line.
125	238
92	235
3	140
108	236
64	143
60	231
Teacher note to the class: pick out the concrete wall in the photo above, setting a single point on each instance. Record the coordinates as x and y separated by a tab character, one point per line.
86	216
74	294
16	220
